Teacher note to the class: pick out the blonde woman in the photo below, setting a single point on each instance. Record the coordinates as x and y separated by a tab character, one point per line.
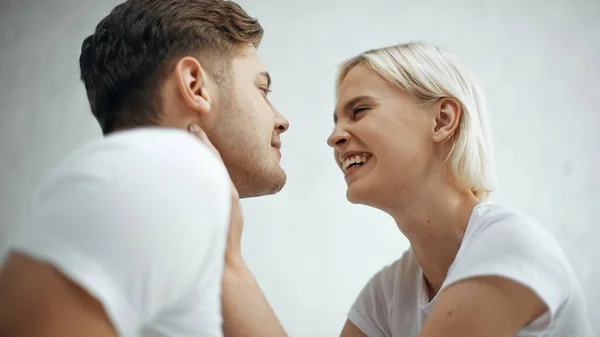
412	139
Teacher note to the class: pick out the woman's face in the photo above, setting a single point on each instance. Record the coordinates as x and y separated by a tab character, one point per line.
382	140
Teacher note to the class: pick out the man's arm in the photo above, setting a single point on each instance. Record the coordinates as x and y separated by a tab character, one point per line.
483	306
36	300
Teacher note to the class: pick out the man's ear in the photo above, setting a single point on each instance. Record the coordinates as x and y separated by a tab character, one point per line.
448	112
192	84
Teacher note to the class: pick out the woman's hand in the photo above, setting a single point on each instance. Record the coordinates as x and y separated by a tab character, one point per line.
245	309
233	253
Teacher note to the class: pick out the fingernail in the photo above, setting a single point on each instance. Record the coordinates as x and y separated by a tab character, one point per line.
194	128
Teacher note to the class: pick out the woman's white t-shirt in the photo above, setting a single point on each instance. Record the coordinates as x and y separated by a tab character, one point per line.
497	241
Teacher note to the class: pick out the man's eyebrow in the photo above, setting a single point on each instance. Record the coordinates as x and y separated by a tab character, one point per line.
267	76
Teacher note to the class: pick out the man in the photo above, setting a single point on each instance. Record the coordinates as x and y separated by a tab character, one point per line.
127	235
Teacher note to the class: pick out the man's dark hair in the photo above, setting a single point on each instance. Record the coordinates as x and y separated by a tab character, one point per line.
124	62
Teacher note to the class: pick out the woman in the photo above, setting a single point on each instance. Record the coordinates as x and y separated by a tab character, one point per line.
412	139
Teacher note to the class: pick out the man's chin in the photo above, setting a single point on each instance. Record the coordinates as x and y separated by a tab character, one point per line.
269	185
277	188
276	185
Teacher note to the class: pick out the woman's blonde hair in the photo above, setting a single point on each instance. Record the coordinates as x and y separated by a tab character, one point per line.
428	73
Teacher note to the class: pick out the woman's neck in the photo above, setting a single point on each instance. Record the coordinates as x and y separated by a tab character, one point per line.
435	223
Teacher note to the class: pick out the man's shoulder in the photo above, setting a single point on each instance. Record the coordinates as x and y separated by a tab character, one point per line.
149	137
156	152
138	220
133	194
165	173
149	141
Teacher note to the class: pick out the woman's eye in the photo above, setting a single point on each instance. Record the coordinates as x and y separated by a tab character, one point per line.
266	91
356	111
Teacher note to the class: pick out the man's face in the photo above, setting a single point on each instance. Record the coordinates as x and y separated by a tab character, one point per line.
248	128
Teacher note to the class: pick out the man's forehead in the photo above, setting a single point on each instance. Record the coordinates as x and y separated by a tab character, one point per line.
248	58
248	53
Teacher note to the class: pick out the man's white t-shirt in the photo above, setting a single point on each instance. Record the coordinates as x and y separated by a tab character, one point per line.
139	220
497	241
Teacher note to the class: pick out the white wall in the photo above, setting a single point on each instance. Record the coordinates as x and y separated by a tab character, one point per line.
538	61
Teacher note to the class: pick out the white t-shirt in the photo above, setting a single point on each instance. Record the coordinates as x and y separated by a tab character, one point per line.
139	220
497	241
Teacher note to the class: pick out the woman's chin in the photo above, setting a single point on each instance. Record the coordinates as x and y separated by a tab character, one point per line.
357	194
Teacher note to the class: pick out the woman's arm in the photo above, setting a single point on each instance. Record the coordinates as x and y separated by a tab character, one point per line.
350	330
483	306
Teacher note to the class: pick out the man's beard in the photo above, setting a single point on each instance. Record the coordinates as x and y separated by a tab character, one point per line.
251	166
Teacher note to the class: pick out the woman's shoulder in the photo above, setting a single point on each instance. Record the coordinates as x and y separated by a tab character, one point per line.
401	272
497	231
488	213
504	221
505	242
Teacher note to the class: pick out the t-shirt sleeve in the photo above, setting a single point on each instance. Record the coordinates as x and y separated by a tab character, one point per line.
139	221
517	248
369	312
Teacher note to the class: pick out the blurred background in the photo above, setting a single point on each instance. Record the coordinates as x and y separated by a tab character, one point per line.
310	249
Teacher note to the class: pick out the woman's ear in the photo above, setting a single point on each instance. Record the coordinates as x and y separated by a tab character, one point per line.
191	79
448	112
